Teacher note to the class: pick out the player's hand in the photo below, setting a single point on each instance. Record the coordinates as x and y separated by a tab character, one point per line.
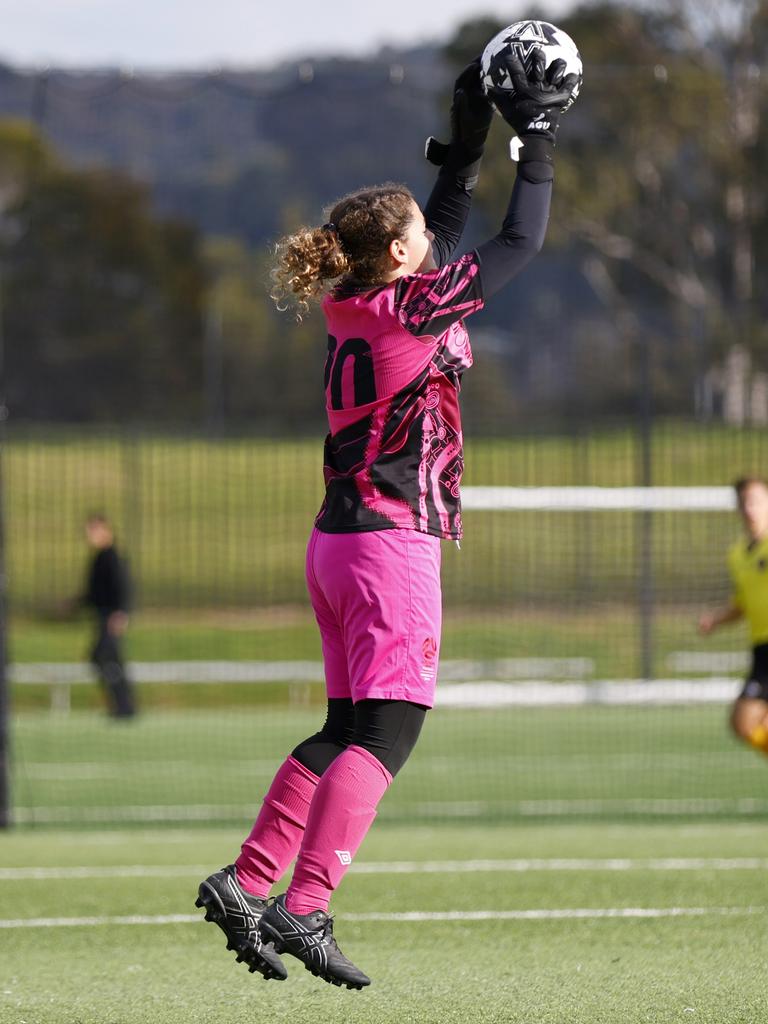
707	624
117	623
471	116
471	110
535	105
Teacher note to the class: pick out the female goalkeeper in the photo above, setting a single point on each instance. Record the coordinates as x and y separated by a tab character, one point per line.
397	348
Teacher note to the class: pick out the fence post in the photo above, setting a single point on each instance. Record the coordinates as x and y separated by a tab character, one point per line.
5	783
5	757
644	517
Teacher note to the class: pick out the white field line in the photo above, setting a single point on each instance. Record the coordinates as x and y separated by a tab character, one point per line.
148	813
409	867
569	913
86	771
567	808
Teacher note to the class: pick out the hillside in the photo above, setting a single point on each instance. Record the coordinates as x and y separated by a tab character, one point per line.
232	151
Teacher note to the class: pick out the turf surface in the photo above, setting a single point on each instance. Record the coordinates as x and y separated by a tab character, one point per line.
708	968
595	761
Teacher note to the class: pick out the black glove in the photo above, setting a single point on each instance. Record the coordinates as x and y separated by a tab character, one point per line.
534	108
471	116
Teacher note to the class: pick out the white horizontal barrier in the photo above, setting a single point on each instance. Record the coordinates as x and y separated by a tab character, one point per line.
614	692
589	499
479	692
708	662
55	673
61	676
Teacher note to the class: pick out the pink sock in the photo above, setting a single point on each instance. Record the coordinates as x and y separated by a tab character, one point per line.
343	808
275	838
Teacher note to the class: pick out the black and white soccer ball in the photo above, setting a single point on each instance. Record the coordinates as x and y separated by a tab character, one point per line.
523	38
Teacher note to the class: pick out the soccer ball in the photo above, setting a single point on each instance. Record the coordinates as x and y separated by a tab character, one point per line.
523	38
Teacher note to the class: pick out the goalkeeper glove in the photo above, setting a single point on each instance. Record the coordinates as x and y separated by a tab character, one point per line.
533	109
471	116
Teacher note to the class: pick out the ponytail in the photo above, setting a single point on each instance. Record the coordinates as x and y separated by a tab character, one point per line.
354	243
305	261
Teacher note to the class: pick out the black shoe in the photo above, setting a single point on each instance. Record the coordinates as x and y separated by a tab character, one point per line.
237	913
309	937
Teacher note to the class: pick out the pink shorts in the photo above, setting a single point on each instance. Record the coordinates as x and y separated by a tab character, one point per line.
377	601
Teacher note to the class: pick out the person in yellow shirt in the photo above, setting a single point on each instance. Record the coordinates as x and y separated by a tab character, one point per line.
748	566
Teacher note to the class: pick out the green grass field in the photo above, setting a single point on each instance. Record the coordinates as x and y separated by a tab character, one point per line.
586	865
579	924
597	762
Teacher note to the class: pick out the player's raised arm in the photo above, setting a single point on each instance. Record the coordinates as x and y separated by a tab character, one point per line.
533	110
710	621
448	206
428	303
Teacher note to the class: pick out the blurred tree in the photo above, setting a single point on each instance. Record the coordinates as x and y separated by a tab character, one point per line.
102	302
271	366
656	193
23	156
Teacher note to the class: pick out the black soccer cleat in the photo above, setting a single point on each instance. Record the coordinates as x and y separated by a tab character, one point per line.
237	913
309	937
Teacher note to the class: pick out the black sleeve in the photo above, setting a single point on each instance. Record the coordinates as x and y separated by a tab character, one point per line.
121	585
88	596
522	233
448	206
109	589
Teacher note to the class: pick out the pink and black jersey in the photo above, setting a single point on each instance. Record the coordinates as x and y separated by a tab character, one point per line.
396	354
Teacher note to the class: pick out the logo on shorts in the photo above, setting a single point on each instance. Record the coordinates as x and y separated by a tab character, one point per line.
429	655
345	857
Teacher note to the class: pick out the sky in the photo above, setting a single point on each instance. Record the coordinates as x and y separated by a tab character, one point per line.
163	35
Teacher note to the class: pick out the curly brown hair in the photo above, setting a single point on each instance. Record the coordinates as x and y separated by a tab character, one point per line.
352	244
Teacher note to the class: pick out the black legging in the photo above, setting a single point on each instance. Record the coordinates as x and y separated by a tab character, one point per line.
107	657
388	729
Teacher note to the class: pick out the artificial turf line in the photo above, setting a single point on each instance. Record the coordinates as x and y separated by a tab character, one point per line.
568	913
412	867
455	809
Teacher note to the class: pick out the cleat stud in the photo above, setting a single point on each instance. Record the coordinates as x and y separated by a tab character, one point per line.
199	902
